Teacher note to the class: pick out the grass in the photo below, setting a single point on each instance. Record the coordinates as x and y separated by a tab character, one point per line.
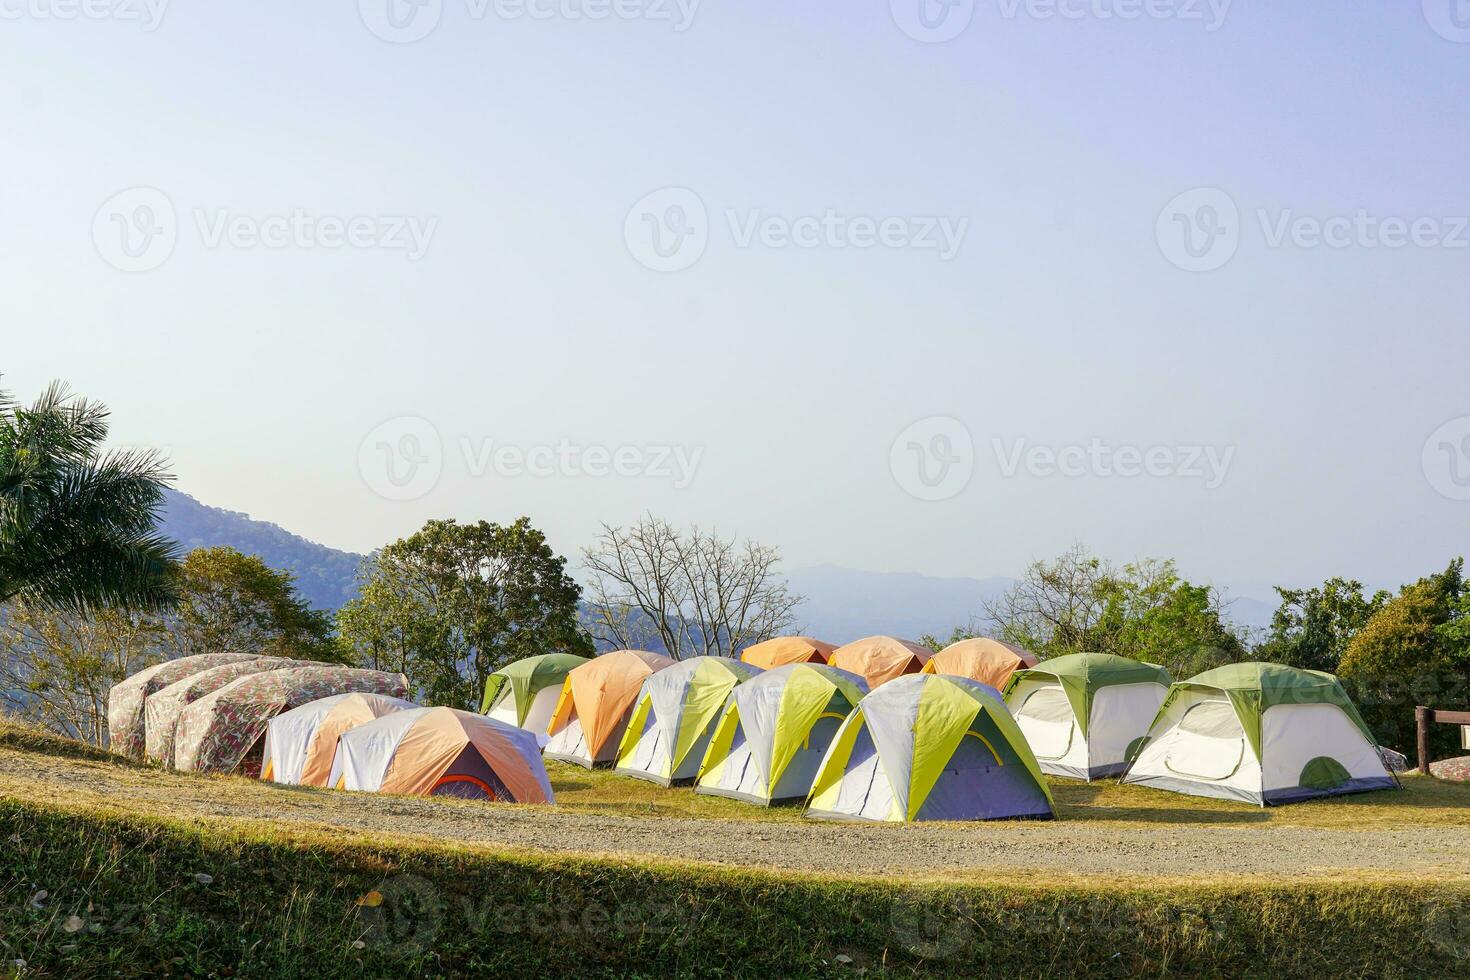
1423	800
30	738
89	887
112	894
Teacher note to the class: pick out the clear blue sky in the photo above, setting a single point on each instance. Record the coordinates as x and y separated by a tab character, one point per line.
529	320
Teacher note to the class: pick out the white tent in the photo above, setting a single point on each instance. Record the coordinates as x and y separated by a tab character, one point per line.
1260	733
674	716
301	744
1081	713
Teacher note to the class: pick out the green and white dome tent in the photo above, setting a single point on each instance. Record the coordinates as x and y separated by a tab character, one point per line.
1082	712
1260	733
524	693
669	730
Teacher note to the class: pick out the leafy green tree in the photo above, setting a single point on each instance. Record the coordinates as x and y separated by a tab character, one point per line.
1311	628
453	602
77	523
1144	610
394	624
237	603
1412	652
1150	613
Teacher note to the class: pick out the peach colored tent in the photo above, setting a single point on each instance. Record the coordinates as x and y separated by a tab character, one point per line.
596	699
443	752
785	650
879	659
301	744
981	659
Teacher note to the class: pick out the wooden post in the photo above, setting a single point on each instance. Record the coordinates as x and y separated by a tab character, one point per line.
1422	717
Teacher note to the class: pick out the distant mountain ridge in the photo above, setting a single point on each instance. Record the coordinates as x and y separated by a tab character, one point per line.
326	577
843	604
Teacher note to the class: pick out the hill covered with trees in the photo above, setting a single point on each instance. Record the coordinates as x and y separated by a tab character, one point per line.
325	577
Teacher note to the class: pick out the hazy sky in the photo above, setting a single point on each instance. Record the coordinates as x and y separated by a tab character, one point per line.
793	260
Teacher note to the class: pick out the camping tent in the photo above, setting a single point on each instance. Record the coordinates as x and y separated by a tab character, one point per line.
1081	713
674	716
126	728
929	747
785	650
879	659
443	752
161	710
596	699
981	659
301	744
218	732
524	693
774	731
1261	733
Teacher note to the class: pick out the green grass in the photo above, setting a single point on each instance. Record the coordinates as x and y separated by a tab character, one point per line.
186	893
30	738
1422	801
125	897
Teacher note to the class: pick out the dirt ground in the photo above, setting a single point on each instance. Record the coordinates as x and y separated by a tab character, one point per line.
1225	841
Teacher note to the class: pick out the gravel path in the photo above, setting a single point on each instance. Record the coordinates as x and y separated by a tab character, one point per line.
1088	848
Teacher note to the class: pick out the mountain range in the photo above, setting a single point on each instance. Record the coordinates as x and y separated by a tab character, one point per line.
325	577
842	604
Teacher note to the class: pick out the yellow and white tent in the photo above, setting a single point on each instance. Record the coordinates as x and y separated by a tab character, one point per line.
675	714
775	730
929	747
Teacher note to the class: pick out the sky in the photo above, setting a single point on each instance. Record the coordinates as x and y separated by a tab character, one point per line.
922	286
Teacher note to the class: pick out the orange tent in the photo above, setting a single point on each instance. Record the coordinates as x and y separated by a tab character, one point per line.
442	752
785	650
301	744
596	699
981	659
879	659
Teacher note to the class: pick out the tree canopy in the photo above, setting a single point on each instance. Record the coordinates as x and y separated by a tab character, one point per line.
1312	627
453	602
1413	651
77	523
1144	610
236	603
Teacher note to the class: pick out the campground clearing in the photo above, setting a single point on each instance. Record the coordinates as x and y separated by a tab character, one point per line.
1104	829
110	868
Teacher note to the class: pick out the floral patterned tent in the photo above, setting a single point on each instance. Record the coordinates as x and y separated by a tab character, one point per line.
125	726
161	711
217	732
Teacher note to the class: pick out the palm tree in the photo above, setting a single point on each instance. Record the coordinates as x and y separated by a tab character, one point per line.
77	524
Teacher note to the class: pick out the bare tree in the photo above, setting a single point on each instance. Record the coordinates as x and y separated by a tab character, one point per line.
1056	604
57	666
694	592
